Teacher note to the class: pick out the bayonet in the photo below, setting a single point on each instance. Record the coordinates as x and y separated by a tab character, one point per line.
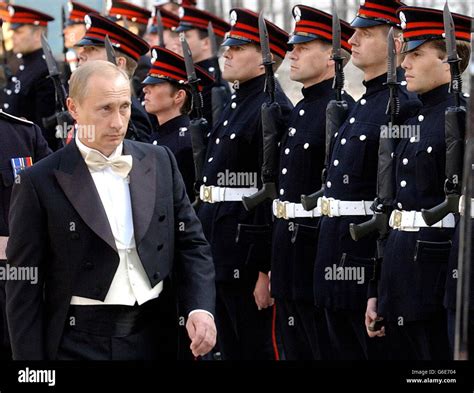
212	38
266	57
160	29
453	59
109	49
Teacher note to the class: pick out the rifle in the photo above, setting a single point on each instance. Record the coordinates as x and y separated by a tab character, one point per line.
198	126
219	93
382	205
62	116
271	123
336	111
461	349
455	120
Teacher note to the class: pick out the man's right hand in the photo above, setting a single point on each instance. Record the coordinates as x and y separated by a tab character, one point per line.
371	316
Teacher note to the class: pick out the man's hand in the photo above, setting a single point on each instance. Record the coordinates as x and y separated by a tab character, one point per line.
202	332
371	316
262	292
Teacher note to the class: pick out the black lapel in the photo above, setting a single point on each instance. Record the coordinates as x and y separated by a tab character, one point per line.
142	188
76	182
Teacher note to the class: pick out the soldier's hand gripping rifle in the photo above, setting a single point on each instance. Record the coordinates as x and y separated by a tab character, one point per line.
382	205
5	72
62	119
455	124
271	125
336	111
198	126
219	94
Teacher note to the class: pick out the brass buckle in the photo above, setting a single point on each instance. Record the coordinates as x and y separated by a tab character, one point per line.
207	194
397	218
325	206
281	210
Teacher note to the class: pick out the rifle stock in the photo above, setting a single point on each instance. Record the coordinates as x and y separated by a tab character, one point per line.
268	191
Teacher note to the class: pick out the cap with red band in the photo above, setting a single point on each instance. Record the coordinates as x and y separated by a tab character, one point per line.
423	24
122	39
170	21
77	12
377	12
19	16
194	18
312	24
244	30
121	10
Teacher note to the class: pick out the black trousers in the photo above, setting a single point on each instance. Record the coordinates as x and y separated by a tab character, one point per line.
418	340
303	330
243	331
5	349
348	337
146	332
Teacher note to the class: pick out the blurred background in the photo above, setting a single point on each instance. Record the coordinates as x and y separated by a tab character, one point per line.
277	11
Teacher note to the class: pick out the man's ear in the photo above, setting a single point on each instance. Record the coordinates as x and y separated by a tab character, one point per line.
399	43
122	62
180	97
72	108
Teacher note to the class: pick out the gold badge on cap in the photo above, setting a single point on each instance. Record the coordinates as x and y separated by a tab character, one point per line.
88	22
403	19
233	18
181	13
297	14
154	55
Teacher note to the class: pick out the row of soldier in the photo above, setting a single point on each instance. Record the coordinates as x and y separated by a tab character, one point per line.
282	261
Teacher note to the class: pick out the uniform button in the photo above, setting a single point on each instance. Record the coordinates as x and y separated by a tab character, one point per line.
412	139
226	122
363	137
403	83
403	183
9	92
301	112
352	120
399	205
287	151
343	141
233	96
466	95
204	179
421	118
19	55
363	101
21	67
391	155
232	136
218	141
233	105
430	149
6	105
282	191
183	129
336	134
157	276
336	162
208	135
284	170
155	142
306	145
210	159
405	161
328	184
14	79
211	69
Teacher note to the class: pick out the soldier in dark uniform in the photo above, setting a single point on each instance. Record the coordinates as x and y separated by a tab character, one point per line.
30	94
21	145
242	314
301	162
194	23
128	47
350	189
168	97
135	19
74	30
170	22
412	284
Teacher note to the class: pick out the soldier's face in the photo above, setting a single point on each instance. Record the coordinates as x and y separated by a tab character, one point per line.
26	39
103	115
73	33
369	47
161	99
242	63
200	47
90	53
311	62
171	39
425	69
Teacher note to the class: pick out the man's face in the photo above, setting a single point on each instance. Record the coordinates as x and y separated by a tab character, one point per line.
369	47
309	62
90	53
171	39
73	33
26	39
105	110
242	63
159	98
425	69
199	47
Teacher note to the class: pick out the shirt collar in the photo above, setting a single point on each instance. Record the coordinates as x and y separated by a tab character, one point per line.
84	150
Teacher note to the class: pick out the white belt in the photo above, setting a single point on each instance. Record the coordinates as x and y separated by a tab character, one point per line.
288	210
213	194
334	207
461	206
3	247
412	221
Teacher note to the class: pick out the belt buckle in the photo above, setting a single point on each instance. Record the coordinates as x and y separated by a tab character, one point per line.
207	194
281	210
397	219
325	206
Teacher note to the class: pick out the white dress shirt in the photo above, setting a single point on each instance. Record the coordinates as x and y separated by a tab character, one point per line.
130	283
